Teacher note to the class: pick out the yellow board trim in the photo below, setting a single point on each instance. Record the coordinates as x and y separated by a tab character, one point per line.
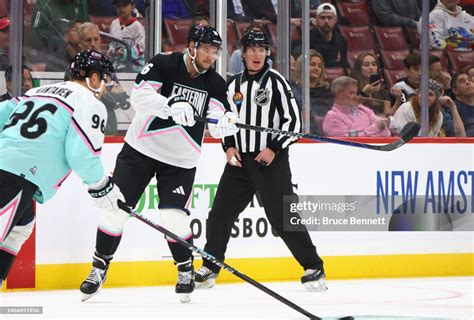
155	273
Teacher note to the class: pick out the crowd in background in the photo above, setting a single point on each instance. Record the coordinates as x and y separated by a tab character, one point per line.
358	86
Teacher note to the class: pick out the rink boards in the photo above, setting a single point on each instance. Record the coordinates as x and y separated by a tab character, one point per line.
66	225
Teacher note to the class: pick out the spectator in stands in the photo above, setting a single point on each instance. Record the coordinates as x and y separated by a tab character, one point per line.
410	84
46	16
197	7
70	47
26	82
349	118
174	9
262	11
89	37
202	20
470	71
4	42
296	10
439	74
292	68
131	31
321	99
107	8
296	7
463	88
450	27
367	72
235	11
452	123
411	110
236	63
397	13
115	96
326	39
432	4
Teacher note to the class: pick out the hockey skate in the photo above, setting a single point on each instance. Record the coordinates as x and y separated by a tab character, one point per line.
314	280
185	285
92	285
205	278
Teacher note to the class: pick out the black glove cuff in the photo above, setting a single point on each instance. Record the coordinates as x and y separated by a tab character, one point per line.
102	191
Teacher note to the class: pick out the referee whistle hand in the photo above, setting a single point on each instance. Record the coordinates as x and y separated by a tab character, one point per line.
233	157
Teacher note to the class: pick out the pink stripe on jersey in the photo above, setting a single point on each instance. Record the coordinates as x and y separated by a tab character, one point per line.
58	101
58	184
155	85
86	141
2	248
9	208
184	238
113	234
171	129
217	103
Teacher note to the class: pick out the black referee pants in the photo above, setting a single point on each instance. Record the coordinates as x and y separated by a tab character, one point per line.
236	189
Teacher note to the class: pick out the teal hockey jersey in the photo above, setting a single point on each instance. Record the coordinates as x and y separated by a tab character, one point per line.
50	131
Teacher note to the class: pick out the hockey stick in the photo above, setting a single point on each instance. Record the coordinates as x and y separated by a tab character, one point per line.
409	131
221	264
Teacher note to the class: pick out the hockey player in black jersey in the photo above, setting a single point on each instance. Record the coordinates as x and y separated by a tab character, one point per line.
164	141
259	162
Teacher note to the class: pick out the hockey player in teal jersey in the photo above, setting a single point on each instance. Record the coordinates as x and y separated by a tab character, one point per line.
44	135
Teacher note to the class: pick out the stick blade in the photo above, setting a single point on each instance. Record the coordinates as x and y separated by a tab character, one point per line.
410	130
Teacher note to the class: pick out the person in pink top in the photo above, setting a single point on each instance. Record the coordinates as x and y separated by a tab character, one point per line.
349	118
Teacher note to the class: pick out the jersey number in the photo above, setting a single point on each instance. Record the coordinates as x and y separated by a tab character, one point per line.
34	126
96	123
147	68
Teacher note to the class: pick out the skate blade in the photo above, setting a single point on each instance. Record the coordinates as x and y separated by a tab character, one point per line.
316	286
184	297
208	284
86	296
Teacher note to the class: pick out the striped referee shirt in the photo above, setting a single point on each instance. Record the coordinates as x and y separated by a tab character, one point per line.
264	100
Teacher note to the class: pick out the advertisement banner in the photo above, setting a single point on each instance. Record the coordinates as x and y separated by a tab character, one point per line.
320	171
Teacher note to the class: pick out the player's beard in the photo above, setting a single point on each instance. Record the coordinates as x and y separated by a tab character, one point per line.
201	67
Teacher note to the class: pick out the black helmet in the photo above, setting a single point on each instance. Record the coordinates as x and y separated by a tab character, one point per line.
87	61
204	34
255	38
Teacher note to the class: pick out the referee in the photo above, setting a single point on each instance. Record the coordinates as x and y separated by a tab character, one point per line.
258	161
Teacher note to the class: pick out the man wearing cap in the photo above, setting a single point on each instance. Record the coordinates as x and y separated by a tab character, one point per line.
4	42
327	40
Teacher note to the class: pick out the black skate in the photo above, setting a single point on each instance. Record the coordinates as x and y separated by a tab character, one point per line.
92	285
205	278
314	280
185	285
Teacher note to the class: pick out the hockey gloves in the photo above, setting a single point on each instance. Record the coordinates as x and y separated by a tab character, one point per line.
180	110
105	194
226	124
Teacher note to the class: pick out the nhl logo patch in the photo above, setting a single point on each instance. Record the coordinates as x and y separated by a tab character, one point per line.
262	97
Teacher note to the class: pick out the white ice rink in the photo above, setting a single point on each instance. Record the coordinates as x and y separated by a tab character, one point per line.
416	298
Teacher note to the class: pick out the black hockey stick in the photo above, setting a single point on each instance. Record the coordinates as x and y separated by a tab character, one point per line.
217	262
409	131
